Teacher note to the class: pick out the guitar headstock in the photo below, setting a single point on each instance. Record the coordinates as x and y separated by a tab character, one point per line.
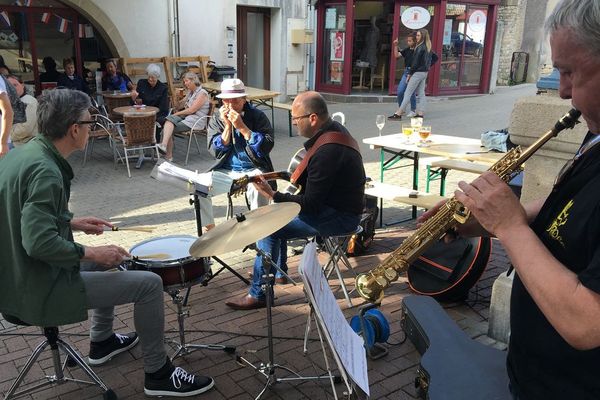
239	186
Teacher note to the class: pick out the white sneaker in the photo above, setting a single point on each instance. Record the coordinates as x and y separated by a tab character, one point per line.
411	114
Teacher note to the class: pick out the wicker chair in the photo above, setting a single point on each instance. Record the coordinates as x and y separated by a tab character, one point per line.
140	134
111	103
194	130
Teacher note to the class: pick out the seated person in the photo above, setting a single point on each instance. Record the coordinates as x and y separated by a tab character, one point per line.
46	275
153	92
115	80
241	138
195	106
23	132
51	74
332	194
70	80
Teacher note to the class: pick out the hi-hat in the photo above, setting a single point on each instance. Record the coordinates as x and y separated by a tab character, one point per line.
242	230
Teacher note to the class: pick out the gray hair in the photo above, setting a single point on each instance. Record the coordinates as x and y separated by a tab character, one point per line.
58	109
153	70
192	76
582	17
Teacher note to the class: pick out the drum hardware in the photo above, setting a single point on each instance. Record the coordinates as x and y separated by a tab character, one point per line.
195	201
268	369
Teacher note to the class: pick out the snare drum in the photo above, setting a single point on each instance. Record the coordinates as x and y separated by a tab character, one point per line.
178	269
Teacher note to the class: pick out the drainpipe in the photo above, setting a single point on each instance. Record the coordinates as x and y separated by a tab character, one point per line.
174	45
309	55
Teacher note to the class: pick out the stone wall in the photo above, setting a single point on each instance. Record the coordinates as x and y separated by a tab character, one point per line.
512	14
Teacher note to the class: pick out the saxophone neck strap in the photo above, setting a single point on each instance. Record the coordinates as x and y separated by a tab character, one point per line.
326	138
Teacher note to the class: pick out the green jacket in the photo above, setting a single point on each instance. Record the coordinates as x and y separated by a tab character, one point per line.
39	261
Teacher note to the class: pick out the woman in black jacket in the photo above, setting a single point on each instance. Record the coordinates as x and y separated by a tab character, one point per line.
421	61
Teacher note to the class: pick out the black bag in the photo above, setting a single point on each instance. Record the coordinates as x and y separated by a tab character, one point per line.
359	243
446	271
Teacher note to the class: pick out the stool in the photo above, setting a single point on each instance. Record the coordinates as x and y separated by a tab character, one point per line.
56	343
335	246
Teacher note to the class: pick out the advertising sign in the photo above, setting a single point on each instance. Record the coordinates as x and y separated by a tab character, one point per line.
415	17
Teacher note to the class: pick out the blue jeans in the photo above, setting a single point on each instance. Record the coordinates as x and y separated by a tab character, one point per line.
402	88
327	222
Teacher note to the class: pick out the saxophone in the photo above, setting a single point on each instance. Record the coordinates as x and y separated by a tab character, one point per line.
370	285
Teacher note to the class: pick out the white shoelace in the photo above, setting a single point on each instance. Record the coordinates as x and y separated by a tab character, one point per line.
181	375
122	338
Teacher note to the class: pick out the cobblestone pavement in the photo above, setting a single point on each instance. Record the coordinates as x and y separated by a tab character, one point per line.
105	191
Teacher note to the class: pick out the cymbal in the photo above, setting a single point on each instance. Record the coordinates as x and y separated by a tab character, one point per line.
237	233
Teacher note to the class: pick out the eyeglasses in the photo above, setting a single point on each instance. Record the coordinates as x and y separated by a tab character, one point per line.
92	124
295	119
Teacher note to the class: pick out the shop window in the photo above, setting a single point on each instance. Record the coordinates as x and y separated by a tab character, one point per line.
462	46
334	44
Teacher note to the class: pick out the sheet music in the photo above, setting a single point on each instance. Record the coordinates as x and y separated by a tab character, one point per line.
216	182
347	344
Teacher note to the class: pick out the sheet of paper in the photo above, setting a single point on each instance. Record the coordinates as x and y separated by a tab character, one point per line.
347	344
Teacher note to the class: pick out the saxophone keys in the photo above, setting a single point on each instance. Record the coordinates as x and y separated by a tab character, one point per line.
391	274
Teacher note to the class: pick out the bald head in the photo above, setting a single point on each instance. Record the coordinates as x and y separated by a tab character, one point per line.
313	103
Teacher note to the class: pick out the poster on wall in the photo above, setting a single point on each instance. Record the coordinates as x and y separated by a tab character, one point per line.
447	40
336	71
477	21
330	17
415	17
337	46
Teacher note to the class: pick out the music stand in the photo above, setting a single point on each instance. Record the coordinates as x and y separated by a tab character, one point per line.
268	370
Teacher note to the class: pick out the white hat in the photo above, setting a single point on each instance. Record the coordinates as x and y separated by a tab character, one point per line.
231	89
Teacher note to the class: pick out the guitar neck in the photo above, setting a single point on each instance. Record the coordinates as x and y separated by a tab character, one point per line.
271	176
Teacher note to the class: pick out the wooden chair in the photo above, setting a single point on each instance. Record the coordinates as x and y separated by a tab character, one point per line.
140	134
380	76
195	130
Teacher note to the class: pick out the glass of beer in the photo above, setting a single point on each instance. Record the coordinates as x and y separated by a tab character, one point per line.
424	132
407	130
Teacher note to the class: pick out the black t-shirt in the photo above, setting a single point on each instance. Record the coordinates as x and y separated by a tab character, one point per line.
541	364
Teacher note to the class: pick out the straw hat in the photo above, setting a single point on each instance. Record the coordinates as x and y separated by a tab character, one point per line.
231	89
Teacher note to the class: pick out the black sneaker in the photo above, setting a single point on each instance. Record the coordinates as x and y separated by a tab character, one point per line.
101	352
395	117
178	384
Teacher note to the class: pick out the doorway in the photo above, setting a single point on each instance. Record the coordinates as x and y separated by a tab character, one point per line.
254	46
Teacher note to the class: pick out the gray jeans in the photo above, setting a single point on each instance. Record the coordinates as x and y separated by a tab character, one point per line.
105	290
416	84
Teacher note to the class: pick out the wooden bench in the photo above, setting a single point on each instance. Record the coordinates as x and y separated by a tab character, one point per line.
439	169
399	194
288	107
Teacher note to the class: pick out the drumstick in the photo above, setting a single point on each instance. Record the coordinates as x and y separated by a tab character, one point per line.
147	229
156	256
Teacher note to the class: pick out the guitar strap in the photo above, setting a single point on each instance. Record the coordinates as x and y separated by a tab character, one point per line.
325	138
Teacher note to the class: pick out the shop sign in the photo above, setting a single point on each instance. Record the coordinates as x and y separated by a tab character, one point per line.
415	17
477	21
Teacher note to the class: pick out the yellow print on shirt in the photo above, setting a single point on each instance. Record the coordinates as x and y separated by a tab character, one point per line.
553	230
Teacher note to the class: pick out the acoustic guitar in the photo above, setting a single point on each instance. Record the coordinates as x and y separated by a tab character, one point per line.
240	185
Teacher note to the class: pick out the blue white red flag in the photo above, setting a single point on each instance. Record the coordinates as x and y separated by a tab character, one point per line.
5	18
63	25
46	17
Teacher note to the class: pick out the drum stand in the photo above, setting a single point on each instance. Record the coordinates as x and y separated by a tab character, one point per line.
195	201
181	347
268	370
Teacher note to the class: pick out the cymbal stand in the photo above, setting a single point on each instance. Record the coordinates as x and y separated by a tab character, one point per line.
268	370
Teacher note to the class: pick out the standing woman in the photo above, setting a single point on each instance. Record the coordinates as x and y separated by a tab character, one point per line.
196	106
407	54
417	77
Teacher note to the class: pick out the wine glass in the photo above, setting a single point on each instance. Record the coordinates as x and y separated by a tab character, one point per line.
424	132
380	122
407	130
